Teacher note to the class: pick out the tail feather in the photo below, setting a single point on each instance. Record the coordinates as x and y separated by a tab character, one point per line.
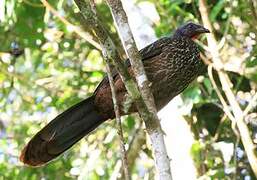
61	133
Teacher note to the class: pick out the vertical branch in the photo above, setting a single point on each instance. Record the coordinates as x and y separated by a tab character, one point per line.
109	67
225	82
222	100
135	146
152	124
118	119
153	127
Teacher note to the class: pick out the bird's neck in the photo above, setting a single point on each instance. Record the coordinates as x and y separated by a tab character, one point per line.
181	38
178	33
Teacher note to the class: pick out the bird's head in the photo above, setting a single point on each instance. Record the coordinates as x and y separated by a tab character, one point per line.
191	30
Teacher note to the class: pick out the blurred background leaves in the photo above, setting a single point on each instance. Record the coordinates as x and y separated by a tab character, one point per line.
45	67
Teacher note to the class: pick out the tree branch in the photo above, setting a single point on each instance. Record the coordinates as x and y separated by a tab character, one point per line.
222	100
109	67
74	28
225	82
110	50
118	119
135	146
152	124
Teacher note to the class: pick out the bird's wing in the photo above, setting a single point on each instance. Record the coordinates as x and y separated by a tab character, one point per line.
153	49
146	53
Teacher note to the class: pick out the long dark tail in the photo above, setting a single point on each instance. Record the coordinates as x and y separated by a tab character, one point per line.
61	133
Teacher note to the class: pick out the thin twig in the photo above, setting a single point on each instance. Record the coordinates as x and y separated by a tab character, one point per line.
69	25
116	107
205	59
135	146
118	120
222	100
218	131
33	4
251	105
226	85
152	124
235	156
253	9
129	83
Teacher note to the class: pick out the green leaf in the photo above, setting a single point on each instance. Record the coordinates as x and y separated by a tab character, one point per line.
216	10
193	93
251	62
130	122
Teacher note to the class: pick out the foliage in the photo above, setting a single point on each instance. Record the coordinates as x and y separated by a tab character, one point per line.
58	68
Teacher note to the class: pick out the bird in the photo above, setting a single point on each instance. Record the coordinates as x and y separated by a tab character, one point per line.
171	64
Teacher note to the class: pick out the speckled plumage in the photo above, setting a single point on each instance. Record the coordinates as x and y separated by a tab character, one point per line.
171	63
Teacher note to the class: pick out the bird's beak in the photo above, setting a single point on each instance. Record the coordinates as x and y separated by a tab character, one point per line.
202	30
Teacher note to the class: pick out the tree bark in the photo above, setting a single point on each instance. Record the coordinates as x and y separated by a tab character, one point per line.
152	124
118	120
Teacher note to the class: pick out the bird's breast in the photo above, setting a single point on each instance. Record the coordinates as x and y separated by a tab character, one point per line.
172	71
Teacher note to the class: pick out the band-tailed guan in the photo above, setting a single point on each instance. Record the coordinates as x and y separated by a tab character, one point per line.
171	63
